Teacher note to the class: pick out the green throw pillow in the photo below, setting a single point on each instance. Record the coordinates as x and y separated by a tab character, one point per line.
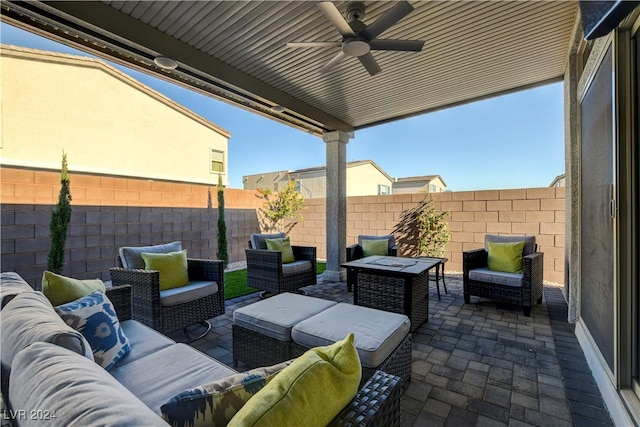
61	290
505	257
214	404
310	392
172	267
375	247
283	245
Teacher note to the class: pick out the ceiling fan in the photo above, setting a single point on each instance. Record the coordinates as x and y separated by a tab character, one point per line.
359	39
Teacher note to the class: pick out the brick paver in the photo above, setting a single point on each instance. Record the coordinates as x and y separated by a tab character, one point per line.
482	363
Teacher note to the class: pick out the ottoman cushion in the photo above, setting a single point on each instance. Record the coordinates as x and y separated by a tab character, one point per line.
276	316
377	333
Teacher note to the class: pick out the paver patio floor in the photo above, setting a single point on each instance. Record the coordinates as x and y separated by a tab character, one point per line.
477	364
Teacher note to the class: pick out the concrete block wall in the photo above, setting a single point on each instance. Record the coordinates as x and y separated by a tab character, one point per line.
109	212
532	211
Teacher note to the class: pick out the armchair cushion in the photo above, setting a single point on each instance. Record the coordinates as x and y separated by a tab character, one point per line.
391	241
94	317
375	247
506	257
190	292
258	241
310	391
283	245
496	277
296	267
529	242
172	267
131	257
61	290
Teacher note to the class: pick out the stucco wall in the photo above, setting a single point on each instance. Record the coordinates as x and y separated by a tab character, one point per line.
109	212
106	121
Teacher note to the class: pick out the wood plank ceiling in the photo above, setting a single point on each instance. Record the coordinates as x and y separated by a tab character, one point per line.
236	51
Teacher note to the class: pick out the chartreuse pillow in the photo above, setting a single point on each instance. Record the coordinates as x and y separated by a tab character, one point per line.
172	267
310	392
505	257
61	290
375	247
283	245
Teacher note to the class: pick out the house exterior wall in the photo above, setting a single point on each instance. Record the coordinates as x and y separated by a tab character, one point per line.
109	212
364	179
418	186
113	124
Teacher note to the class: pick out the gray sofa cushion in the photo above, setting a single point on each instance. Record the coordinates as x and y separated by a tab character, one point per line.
28	318
377	333
258	240
389	237
276	316
131	256
143	341
296	267
12	284
161	375
75	389
529	241
496	277
191	292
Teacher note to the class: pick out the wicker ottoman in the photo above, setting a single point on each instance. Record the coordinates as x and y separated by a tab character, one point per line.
262	330
381	338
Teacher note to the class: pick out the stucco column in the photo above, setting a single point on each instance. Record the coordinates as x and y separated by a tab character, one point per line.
336	142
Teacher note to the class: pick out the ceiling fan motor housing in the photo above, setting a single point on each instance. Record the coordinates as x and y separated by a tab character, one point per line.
355	11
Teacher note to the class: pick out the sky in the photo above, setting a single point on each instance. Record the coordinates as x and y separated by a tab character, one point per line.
509	141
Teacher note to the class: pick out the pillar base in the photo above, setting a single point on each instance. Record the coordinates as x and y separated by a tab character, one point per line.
334	276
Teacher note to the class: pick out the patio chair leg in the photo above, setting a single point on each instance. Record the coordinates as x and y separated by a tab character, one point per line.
204	323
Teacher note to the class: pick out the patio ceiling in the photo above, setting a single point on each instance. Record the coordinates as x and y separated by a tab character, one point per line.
236	51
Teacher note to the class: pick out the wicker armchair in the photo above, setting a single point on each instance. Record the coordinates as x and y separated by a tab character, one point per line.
355	252
521	289
265	270
204	298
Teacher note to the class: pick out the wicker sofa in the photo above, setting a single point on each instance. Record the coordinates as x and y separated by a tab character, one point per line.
49	380
522	289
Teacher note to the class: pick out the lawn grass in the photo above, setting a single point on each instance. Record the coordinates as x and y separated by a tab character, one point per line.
235	282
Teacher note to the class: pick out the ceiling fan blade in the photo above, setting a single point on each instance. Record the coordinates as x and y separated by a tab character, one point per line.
333	62
390	17
333	14
369	62
314	44
407	45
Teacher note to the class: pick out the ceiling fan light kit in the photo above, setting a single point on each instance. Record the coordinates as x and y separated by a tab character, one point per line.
358	39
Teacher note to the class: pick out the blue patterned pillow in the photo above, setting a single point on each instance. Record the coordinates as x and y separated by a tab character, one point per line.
94	317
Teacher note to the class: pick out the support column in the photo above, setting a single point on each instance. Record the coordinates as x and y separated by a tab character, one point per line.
336	204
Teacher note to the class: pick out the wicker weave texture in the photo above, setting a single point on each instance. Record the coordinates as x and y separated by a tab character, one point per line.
525	296
264	270
405	295
145	297
378	403
120	297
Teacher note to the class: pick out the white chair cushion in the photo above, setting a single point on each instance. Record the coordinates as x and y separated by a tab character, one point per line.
191	292
276	316
496	277
377	333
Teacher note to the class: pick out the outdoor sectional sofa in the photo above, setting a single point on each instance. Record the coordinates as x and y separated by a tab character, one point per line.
50	378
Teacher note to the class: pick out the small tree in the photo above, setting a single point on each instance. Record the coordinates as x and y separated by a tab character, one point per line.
222	254
282	205
60	218
423	231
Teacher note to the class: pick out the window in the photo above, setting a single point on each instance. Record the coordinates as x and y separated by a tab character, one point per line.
217	161
383	189
432	188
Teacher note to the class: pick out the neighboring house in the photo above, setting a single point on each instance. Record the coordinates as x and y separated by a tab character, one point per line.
111	123
364	178
419	184
559	181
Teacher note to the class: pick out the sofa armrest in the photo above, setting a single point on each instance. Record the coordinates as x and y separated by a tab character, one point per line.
393	251
120	297
305	253
354	252
206	269
476	258
145	293
532	269
377	403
